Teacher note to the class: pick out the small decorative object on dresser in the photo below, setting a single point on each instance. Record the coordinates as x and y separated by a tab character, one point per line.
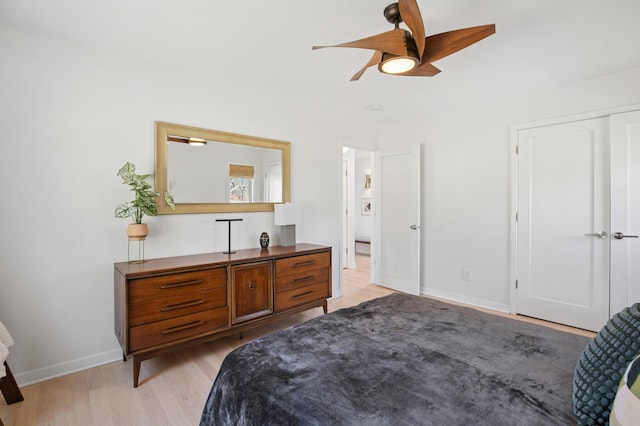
264	240
180	301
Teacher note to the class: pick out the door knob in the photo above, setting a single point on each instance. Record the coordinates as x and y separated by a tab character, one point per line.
414	227
620	235
601	234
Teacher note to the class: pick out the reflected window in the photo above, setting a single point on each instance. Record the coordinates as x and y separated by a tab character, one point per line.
241	183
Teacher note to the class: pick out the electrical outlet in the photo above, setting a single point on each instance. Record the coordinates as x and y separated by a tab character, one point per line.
467	274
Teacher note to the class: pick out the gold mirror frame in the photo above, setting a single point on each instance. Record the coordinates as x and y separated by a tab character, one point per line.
163	130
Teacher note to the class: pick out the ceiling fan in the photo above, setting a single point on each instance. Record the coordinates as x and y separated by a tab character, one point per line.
407	53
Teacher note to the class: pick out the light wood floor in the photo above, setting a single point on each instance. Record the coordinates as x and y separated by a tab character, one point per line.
173	387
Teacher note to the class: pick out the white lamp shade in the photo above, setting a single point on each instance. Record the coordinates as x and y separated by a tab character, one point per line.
286	214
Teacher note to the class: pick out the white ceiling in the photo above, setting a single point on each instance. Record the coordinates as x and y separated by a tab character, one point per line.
267	44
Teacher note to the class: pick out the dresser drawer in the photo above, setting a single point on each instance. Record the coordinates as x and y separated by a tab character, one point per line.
143	311
302	279
148	335
175	284
293	298
300	264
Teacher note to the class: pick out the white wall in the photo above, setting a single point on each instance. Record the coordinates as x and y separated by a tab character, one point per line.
466	182
70	117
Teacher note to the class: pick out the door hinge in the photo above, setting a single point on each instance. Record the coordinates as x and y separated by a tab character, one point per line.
517	149
516	216
516	284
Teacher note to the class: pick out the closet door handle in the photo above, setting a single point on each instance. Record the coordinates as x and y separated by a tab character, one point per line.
620	235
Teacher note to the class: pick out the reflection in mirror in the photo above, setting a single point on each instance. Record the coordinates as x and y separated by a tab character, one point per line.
209	171
223	173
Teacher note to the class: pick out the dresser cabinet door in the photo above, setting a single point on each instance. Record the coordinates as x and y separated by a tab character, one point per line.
251	291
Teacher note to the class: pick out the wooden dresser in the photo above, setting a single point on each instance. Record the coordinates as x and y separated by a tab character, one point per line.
179	301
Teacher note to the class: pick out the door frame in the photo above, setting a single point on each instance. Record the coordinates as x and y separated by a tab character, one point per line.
513	239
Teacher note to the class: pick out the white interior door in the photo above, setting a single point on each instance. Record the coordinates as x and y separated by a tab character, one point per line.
348	209
396	210
563	223
273	183
345	216
625	210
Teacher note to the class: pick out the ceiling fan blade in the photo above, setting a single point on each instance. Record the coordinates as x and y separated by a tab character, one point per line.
390	41
375	59
425	69
441	45
410	14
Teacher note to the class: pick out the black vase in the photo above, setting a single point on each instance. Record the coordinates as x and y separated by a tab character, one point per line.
264	240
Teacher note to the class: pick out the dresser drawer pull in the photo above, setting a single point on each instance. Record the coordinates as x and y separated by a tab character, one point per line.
301	294
305	278
308	262
182	327
182	305
181	284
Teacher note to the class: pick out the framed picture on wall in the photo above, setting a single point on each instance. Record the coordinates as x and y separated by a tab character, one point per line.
366	206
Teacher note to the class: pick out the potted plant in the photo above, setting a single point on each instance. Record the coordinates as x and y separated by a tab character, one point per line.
144	202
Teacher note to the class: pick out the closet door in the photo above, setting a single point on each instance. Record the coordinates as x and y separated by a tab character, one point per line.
625	210
563	223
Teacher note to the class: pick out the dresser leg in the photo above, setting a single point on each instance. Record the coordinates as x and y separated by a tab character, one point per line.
124	357
241	335
324	306
136	371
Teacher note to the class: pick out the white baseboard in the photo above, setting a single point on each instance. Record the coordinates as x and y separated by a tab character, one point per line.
68	367
465	299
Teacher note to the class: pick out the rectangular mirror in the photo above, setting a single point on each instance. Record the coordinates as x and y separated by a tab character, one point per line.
209	171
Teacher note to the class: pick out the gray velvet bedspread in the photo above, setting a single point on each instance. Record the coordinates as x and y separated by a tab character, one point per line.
400	360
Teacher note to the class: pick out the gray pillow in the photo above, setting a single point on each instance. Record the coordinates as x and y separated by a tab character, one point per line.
602	364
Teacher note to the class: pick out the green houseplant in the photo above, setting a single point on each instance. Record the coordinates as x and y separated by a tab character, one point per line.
144	202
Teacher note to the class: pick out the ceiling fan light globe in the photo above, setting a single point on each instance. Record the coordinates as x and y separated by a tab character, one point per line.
393	64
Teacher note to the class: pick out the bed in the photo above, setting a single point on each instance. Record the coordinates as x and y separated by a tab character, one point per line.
400	359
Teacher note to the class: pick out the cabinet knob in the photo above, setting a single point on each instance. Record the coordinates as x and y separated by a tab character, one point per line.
252	285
